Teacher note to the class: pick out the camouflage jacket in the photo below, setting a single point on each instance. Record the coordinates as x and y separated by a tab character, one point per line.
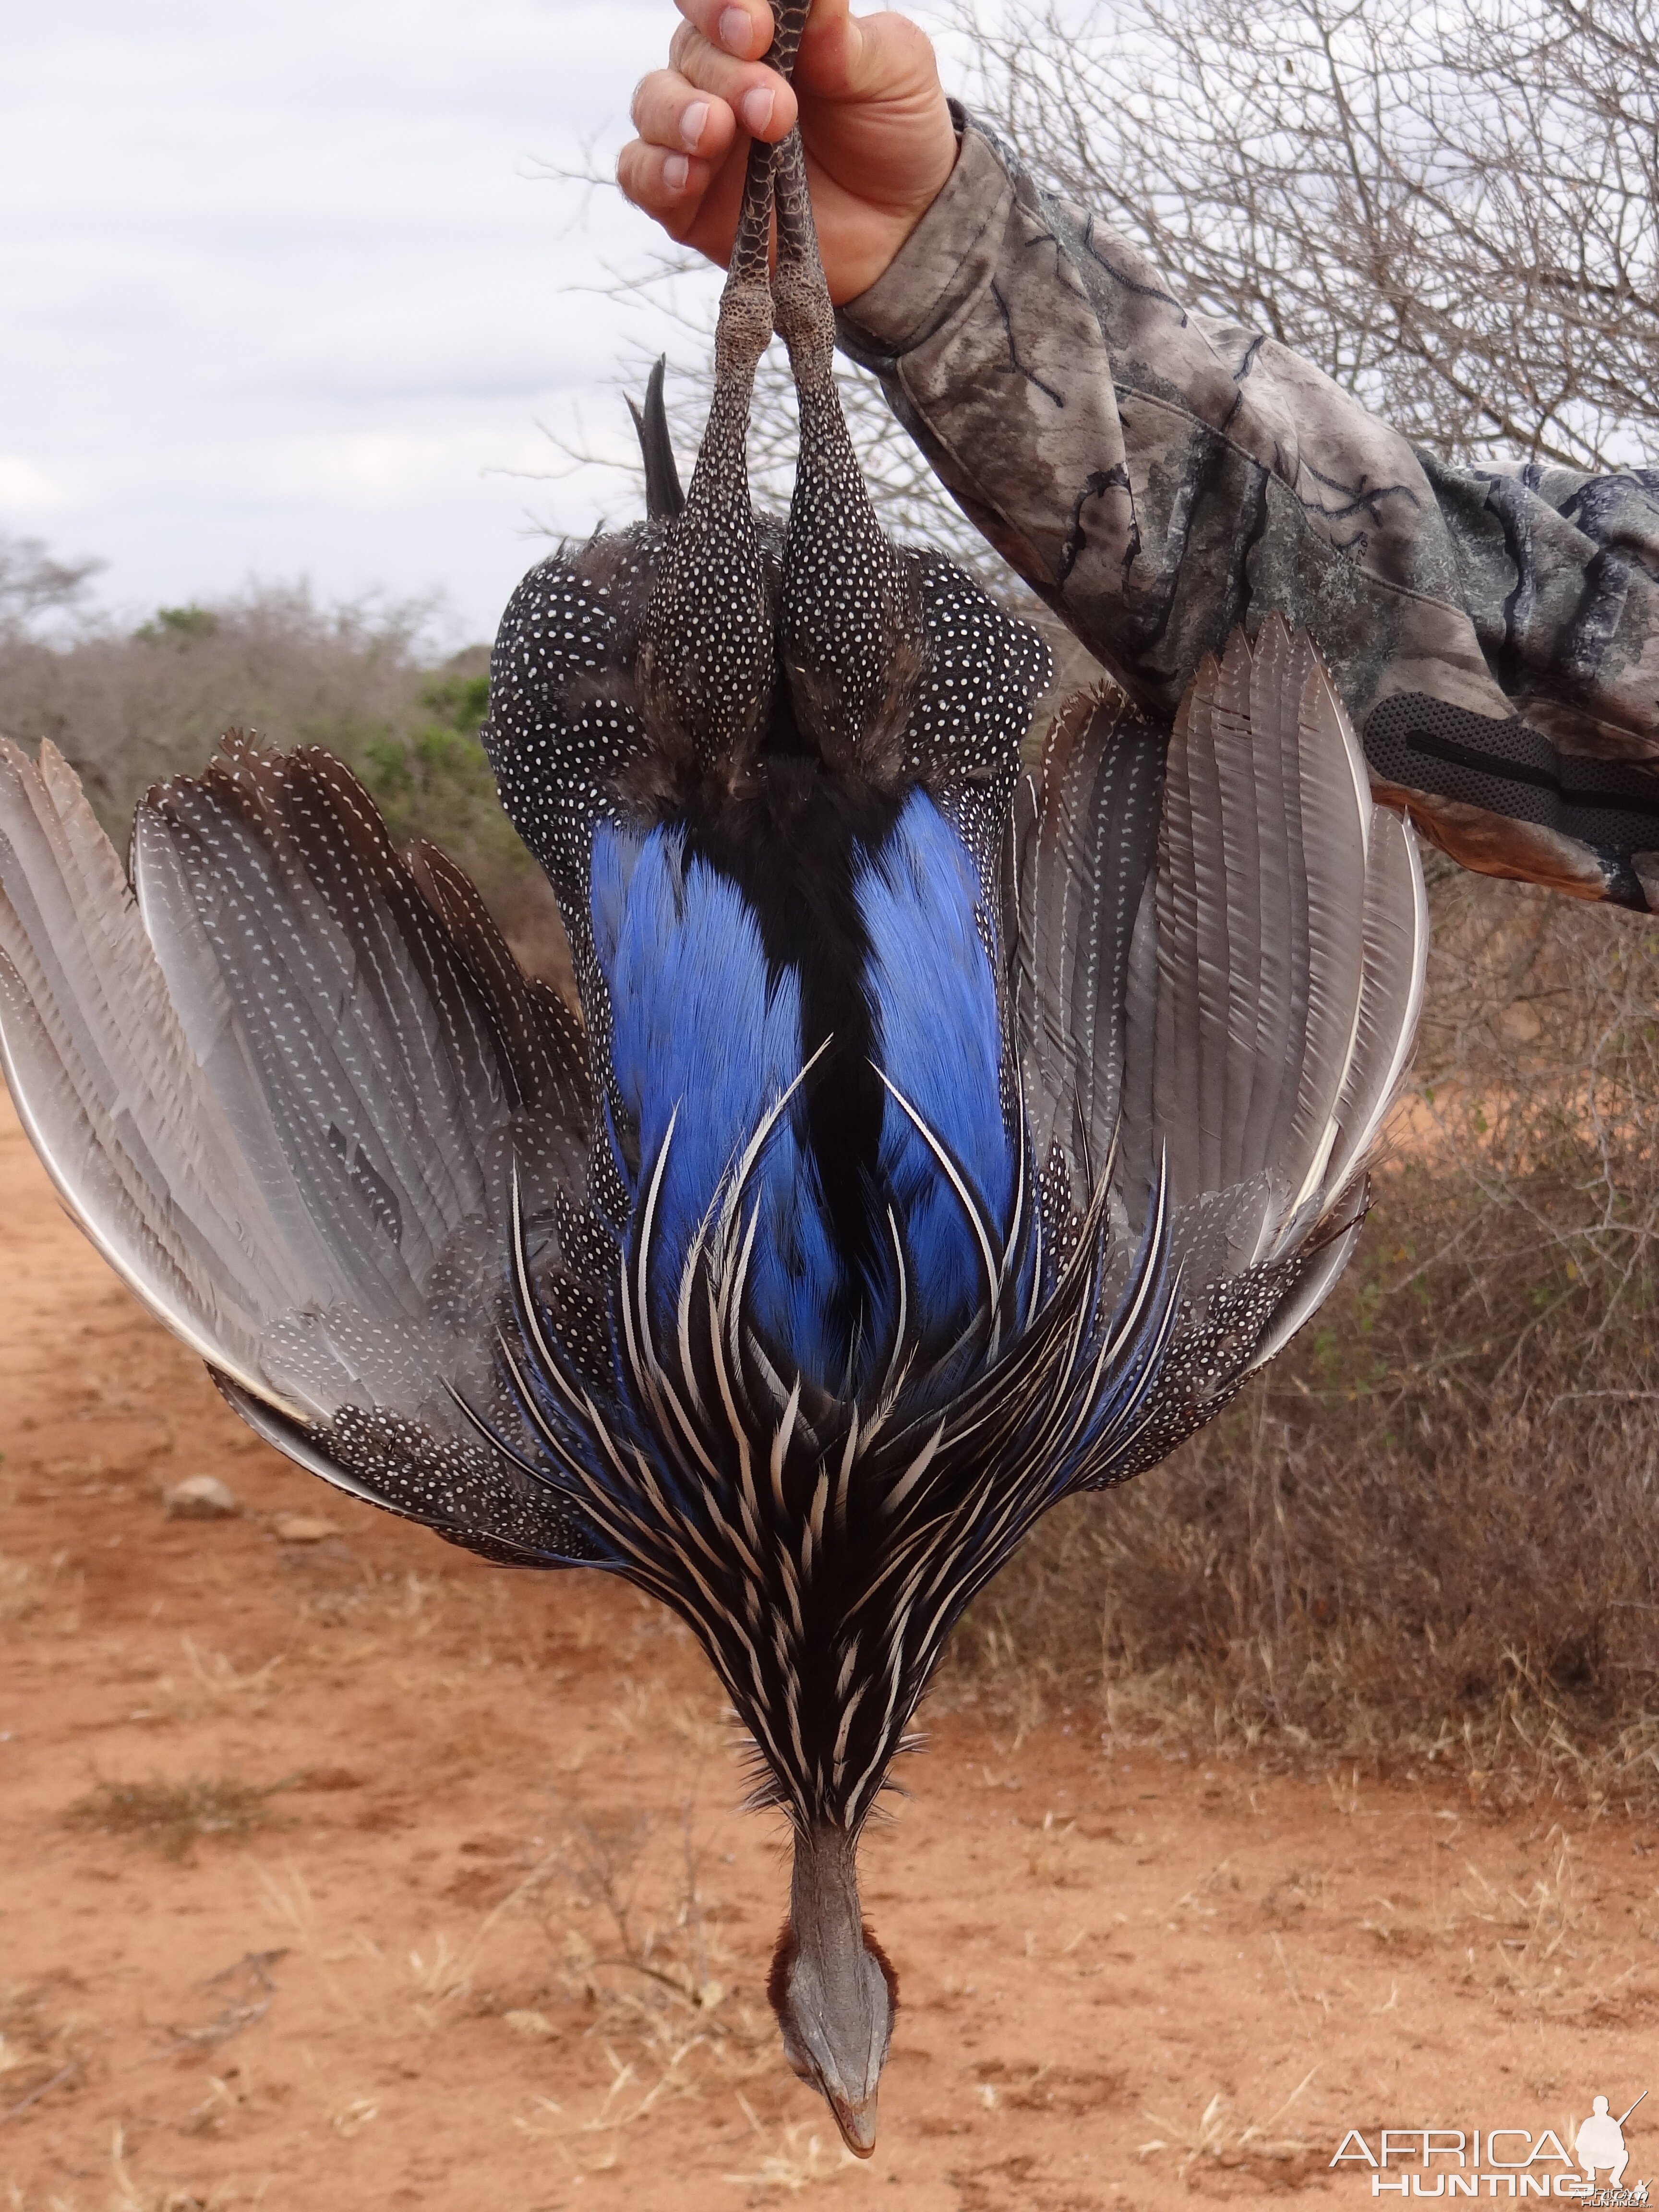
1159	476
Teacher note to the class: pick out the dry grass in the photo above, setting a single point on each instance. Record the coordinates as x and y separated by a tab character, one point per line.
631	1945
606	1940
128	2194
1215	2137
171	1817
802	2154
17	1600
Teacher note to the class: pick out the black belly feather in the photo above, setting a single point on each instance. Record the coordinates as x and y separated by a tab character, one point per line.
793	846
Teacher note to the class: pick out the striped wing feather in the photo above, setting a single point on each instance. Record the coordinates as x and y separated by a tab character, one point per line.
1252	1021
1087	839
1396	936
114	1102
283	1086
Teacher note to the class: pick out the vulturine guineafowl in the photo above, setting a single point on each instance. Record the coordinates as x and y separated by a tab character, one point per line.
935	1143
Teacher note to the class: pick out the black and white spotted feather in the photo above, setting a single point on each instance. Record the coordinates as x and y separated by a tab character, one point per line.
284	1079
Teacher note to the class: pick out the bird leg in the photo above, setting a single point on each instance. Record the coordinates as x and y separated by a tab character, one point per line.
851	629
707	664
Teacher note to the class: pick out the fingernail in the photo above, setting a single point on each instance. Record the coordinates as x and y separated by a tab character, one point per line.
675	170
735	31
757	107
691	123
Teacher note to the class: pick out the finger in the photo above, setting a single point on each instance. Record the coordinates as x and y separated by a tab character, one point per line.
845	56
830	28
764	106
665	183
677	116
739	27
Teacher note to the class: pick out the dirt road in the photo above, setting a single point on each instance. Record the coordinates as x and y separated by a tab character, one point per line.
343	1870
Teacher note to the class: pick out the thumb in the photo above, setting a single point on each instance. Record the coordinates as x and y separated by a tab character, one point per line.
881	59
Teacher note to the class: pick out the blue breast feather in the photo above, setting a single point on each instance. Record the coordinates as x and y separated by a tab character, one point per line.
938	1043
703	1040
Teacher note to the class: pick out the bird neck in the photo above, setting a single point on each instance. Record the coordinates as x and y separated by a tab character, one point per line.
824	1910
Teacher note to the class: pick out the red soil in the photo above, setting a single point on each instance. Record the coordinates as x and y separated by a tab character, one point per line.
502	1939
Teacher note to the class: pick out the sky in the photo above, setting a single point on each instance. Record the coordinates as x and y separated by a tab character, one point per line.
290	293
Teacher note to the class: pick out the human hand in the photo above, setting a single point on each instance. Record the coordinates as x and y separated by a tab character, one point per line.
878	134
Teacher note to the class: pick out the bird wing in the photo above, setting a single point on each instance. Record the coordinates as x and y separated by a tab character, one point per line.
293	1086
1291	936
1224	974
1396	938
1085	845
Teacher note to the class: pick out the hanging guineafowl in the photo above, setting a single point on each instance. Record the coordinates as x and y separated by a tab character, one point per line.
934	1143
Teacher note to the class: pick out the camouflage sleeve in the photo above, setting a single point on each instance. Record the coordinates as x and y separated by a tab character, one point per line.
1159	476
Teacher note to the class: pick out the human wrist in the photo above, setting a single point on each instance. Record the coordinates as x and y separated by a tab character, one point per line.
865	263
926	260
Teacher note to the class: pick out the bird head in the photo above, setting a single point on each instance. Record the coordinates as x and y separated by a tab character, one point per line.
831	1988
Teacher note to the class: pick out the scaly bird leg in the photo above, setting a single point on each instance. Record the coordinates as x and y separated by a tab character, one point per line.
707	664
851	633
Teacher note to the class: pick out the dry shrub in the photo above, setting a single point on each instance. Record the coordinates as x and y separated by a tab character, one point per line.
1429	1533
1453	211
128	710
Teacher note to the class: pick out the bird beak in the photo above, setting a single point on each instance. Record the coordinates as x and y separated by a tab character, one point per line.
857	2122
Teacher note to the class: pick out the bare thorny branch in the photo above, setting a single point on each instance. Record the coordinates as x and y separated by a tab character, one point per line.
1452	210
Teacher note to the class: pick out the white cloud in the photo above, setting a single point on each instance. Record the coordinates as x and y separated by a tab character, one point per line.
24	488
283	295
286	293
384	468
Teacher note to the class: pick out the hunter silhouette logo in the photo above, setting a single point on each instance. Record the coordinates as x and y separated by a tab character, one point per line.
1600	2142
1585	2161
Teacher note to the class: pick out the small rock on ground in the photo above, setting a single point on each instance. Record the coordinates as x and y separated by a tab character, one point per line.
302	1528
200	1498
